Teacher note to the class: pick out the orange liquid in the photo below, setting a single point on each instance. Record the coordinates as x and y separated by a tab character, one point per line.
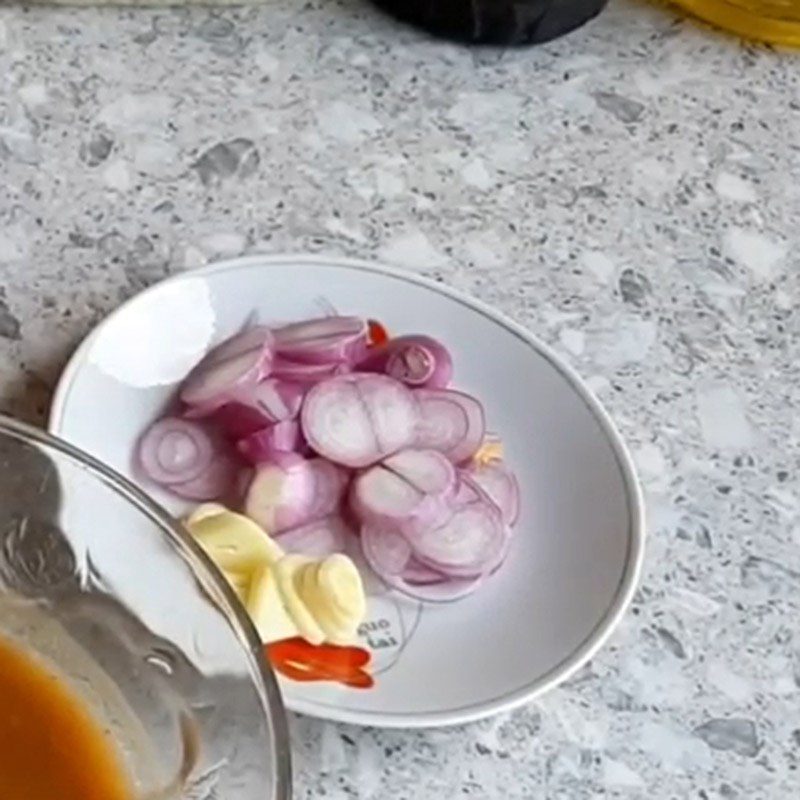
50	746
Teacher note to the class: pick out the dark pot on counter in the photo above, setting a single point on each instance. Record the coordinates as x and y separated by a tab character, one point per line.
498	22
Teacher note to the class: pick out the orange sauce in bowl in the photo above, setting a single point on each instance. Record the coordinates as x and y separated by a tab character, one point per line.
51	748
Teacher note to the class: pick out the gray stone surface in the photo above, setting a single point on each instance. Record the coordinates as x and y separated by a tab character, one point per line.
631	193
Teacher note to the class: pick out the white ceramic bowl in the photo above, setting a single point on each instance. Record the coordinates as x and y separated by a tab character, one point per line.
578	546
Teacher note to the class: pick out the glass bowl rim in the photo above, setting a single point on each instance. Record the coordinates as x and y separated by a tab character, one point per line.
198	560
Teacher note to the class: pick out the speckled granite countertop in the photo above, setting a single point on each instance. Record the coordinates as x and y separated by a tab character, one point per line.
632	193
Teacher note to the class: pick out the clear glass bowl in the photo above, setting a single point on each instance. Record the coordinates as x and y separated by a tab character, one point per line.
106	588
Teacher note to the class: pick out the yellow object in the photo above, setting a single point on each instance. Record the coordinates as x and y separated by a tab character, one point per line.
339	587
325	598
490	450
240	583
204	511
232	541
772	21
286	595
289	573
273	622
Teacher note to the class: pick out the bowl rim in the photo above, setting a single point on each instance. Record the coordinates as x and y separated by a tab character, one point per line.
198	560
629	580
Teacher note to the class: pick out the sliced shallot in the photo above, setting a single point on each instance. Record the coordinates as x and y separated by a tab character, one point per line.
262	445
450	422
256	336
417	361
500	483
424	583
235	420
355	420
235	365
433	521
175	450
467	545
216	482
281	493
387	551
389	555
409	489
417	573
330	481
427	471
322	341
316	539
299	372
254	407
